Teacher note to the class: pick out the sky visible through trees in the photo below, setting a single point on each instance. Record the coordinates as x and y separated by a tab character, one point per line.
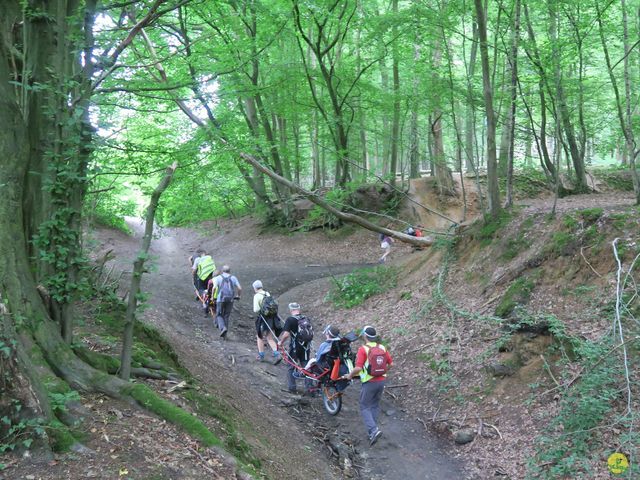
327	93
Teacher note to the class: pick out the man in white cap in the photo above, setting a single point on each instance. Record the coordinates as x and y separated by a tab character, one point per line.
372	363
264	326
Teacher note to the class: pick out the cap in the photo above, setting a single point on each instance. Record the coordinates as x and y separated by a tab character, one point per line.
333	332
257	284
294	306
369	332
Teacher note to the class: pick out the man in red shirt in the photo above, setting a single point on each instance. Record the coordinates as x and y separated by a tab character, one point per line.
372	363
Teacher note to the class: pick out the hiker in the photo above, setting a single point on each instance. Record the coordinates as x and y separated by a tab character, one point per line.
299	331
192	260
203	267
266	309
331	334
210	298
229	289
415	232
326	351
385	244
372	363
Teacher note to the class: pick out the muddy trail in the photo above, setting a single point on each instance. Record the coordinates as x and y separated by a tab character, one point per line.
332	447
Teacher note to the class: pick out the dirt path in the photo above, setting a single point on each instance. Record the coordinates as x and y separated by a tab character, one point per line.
405	451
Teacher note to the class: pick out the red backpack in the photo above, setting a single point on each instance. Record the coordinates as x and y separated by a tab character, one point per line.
378	363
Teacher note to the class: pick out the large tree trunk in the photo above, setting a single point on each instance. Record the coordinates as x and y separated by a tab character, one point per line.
39	353
25	119
513	89
395	127
562	109
346	217
444	178
469	124
492	170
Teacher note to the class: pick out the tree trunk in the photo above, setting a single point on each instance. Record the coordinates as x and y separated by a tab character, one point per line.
469	126
444	178
624	113
329	29
492	170
138	270
28	115
315	152
511	124
364	155
395	128
562	109
346	217
547	162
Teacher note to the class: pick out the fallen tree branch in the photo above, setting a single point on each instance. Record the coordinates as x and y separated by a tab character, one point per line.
548	369
346	217
587	261
495	428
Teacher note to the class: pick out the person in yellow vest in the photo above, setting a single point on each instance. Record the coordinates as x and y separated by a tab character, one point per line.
372	363
203	267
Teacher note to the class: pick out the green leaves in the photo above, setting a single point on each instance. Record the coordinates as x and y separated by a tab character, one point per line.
354	288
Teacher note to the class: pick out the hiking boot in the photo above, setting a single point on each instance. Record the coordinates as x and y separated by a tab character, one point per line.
293	391
374	437
277	358
260	357
223	333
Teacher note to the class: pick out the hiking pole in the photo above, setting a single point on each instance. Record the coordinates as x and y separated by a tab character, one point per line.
279	347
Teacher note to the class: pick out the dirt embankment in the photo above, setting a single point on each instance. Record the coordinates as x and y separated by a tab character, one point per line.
464	373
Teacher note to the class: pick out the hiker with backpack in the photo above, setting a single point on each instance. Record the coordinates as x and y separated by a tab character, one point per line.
415	232
385	244
267	321
229	289
203	267
372	363
299	331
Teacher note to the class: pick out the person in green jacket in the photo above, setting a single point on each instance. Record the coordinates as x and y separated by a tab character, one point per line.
203	267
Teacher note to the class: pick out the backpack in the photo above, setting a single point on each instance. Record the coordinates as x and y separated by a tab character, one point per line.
377	359
305	330
226	289
269	307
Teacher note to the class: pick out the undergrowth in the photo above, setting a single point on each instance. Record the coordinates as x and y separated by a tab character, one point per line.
590	419
353	289
150	348
589	415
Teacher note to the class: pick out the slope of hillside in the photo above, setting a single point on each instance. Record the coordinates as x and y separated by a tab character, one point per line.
505	336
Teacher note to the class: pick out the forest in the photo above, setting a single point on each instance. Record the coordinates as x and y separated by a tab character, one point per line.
313	118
